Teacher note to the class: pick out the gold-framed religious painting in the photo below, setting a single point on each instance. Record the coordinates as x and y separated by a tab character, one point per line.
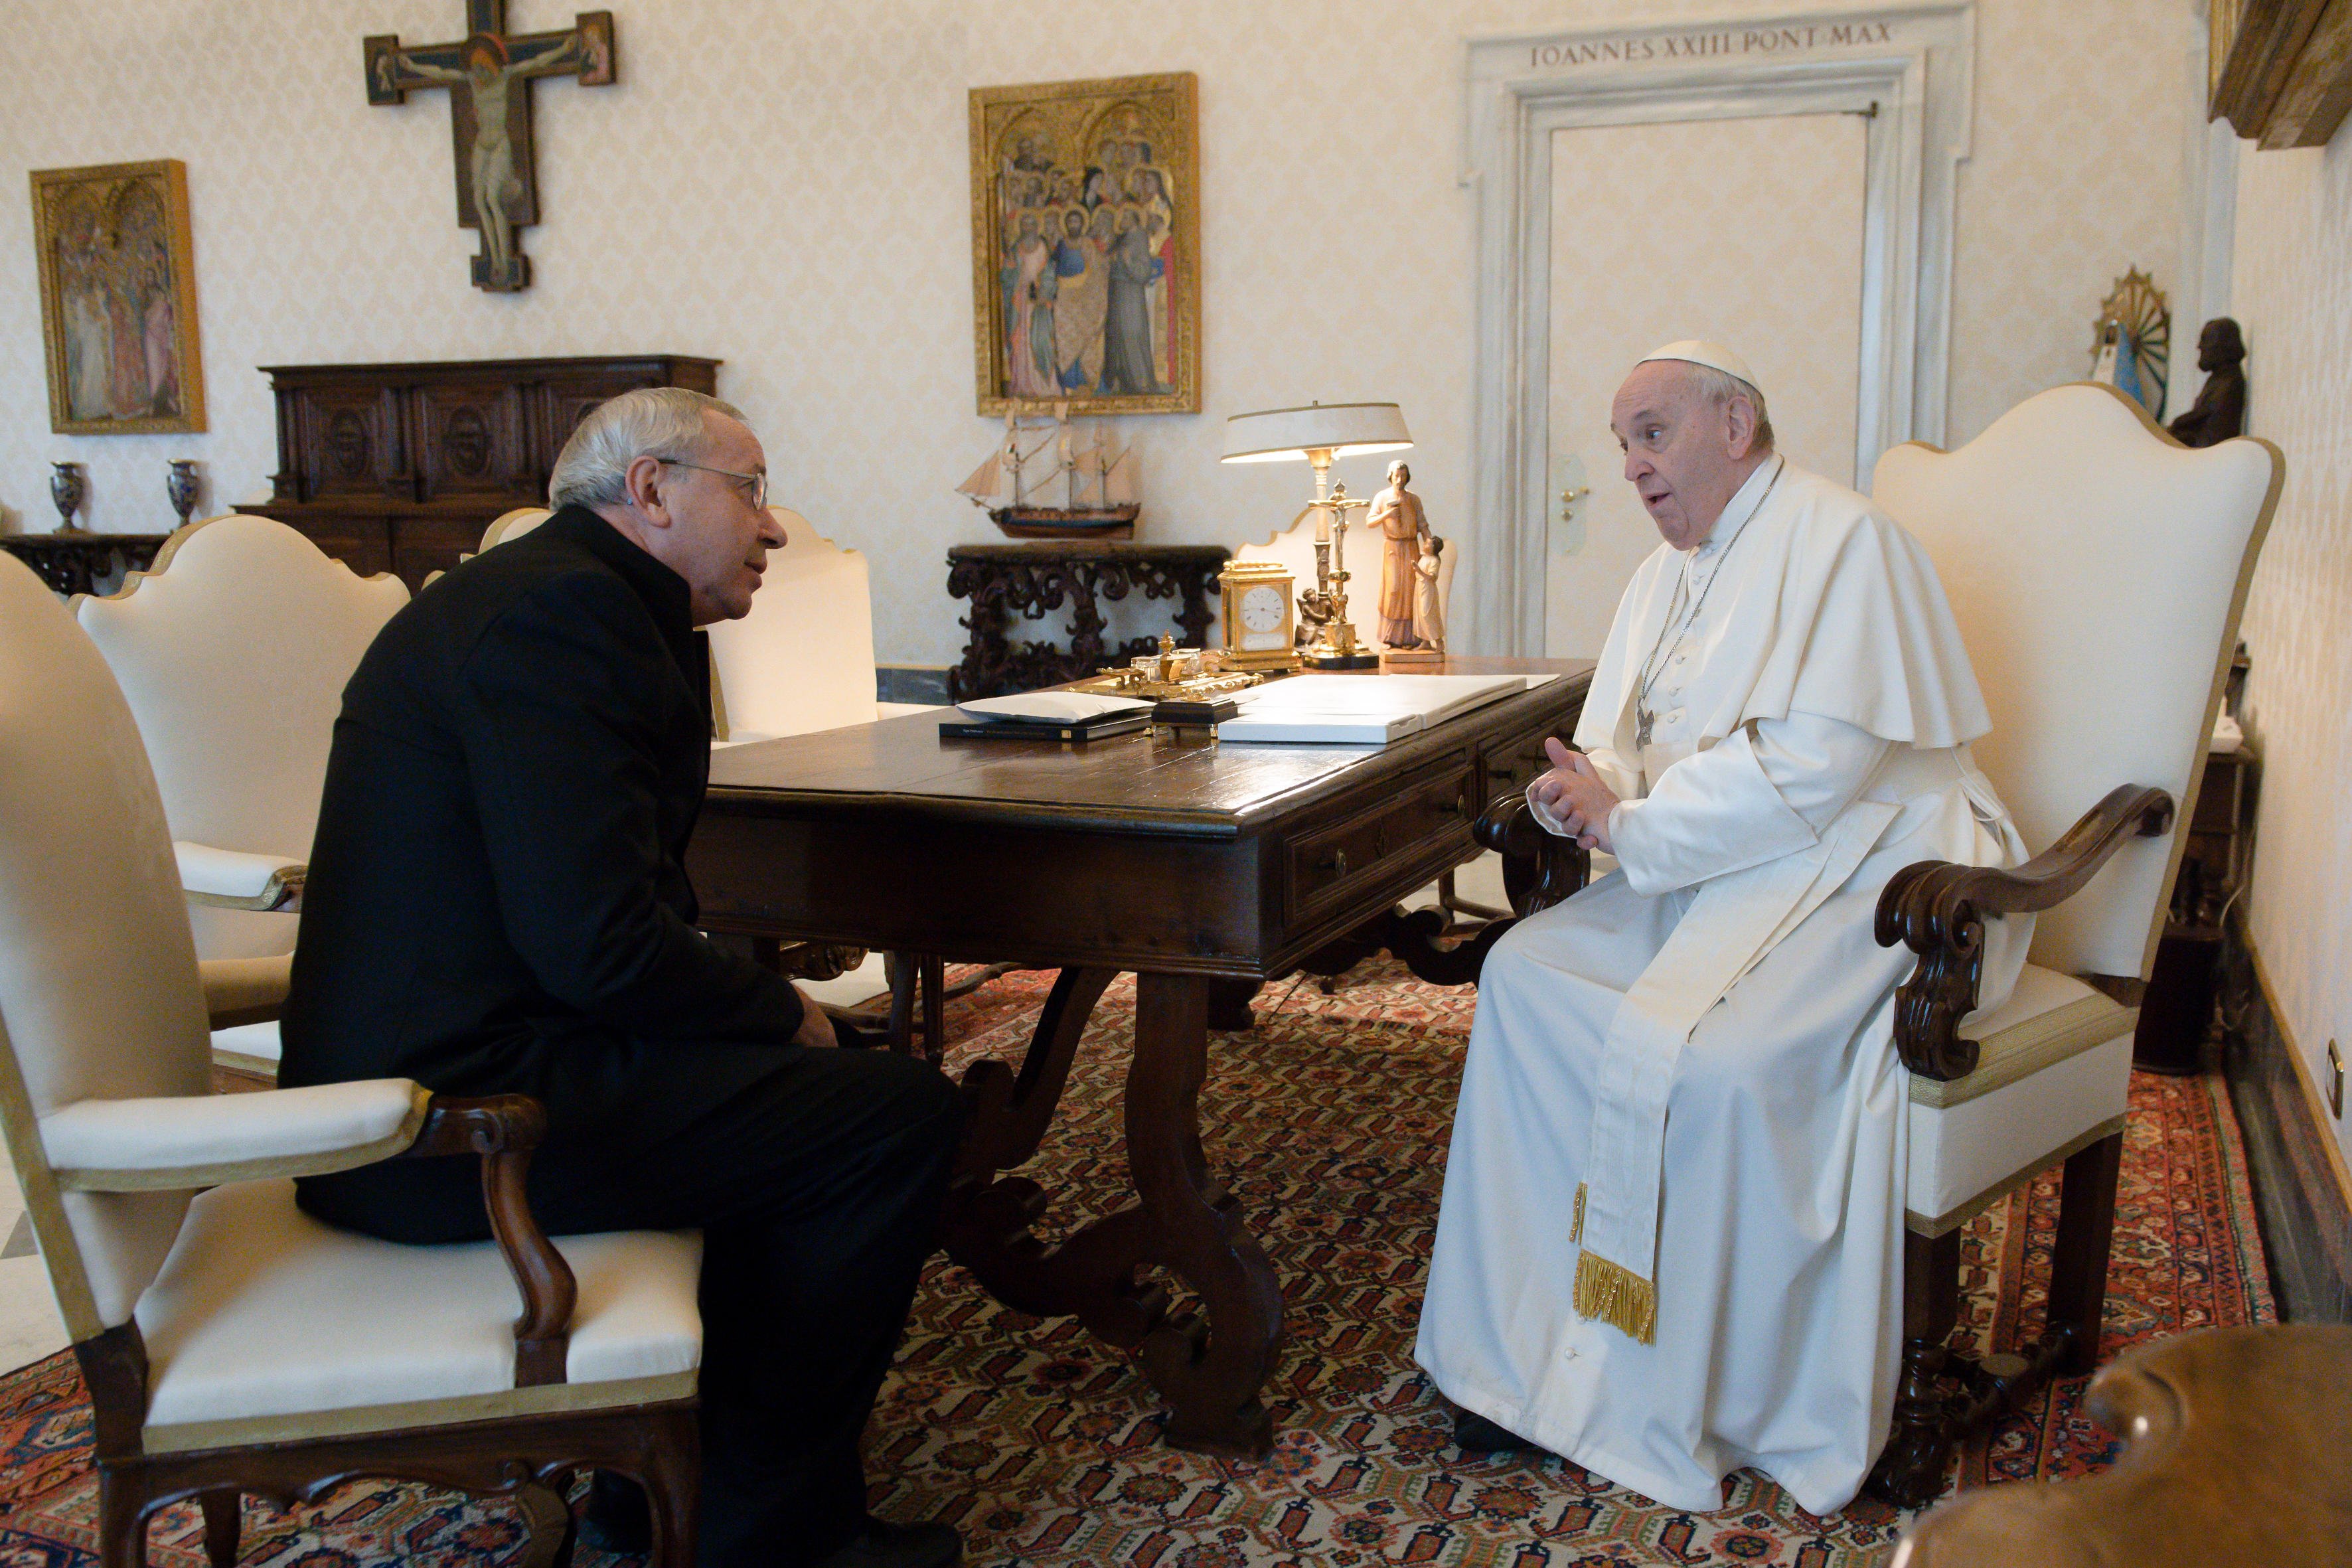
1086	244
119	299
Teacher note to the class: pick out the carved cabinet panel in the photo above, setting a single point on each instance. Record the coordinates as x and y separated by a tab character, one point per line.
400	467
469	442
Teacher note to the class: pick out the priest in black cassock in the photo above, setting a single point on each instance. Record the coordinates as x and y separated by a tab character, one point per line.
497	904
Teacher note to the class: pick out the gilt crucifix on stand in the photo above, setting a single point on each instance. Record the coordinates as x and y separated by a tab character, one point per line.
489	77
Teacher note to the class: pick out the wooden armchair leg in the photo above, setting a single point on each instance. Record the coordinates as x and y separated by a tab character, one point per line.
122	1521
929	973
672	1478
1910	1470
935	1006
223	1521
2078	1260
906	969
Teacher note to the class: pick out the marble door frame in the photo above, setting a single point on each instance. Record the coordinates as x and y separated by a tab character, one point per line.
1909	67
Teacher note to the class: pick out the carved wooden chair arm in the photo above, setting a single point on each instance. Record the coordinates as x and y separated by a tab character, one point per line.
1540	868
1937	910
503	1129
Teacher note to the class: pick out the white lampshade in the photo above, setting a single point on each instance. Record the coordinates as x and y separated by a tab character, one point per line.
1339	428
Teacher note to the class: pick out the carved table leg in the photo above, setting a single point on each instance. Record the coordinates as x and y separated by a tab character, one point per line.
1093	1273
1210	1371
1229	1003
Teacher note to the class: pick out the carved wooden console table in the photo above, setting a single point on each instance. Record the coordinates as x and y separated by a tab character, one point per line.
399	468
73	562
1036	579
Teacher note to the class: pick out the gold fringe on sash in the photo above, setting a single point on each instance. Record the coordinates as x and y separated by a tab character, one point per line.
1609	1292
1617	1295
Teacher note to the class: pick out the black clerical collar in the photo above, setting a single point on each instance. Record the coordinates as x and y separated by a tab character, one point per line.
663	590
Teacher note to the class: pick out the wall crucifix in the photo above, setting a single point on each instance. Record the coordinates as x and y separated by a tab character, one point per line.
489	77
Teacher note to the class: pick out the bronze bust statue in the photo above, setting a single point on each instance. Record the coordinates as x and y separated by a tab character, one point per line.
2219	411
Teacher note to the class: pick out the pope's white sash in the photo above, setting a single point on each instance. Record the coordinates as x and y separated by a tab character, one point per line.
1730	925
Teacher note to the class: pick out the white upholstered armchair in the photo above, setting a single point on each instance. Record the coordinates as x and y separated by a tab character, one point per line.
2096	568
232	1343
233	650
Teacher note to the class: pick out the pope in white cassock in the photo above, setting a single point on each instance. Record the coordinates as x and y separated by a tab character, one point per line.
1671	1238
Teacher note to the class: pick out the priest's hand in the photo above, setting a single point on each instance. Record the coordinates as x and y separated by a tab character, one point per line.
1572	792
816	1029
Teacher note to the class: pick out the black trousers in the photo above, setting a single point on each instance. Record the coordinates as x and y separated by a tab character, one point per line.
815	1177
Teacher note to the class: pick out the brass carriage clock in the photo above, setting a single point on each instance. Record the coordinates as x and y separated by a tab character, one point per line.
1261	616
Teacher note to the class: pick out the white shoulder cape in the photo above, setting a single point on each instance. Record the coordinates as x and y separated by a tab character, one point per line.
1823	604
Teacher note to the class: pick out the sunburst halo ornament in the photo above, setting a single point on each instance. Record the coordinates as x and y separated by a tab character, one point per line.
2131	342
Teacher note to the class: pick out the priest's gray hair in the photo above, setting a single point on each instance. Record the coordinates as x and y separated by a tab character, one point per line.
592	469
1720	387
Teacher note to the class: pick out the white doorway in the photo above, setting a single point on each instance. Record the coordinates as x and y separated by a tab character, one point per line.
1746	231
1905	70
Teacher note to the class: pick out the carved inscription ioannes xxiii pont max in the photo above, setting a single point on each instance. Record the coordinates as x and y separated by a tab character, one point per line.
1708	43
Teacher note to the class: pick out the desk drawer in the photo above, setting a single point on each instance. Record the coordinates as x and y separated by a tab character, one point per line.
1374	835
1511	763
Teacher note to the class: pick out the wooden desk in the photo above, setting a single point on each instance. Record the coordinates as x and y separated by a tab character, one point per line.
1200	867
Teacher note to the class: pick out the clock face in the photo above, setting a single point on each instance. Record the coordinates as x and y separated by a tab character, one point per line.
1261	608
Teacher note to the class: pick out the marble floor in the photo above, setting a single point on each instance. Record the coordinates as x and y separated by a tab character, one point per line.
29	1326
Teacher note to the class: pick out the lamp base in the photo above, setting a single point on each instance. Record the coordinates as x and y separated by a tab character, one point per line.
1340	660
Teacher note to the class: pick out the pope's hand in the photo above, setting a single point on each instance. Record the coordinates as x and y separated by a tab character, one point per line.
1574	793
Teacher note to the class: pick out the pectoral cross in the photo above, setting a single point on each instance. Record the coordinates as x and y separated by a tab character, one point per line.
488	77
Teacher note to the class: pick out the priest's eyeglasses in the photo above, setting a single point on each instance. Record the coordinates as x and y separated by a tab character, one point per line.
754	485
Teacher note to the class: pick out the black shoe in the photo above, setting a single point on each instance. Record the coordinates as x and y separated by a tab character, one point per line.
1474	1433
858	1033
882	1544
617	1518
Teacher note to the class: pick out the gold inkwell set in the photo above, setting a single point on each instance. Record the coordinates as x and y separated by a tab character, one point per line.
1189	687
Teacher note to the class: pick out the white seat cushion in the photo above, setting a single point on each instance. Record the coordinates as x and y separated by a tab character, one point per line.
2053	1070
248	1047
265	1323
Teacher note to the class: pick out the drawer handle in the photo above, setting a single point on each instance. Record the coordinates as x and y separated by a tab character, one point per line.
1336	861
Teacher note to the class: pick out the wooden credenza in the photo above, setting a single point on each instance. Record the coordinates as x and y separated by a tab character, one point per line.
399	468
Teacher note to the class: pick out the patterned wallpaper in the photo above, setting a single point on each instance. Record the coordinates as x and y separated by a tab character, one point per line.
2291	292
783	187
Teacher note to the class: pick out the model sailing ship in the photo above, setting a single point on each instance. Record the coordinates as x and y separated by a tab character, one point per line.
1040	455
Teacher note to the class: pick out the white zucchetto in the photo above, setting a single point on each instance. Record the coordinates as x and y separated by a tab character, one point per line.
1697	351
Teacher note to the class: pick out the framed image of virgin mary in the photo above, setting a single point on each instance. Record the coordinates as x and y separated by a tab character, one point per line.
119	299
1086	248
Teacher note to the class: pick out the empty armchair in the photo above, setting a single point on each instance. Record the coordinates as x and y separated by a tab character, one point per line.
232	652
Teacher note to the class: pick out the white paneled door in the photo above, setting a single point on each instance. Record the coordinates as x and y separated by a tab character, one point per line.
1749	232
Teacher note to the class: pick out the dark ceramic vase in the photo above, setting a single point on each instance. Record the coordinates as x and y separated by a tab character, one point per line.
181	487
67	487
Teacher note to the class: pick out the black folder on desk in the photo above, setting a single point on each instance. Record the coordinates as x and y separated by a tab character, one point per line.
1093	729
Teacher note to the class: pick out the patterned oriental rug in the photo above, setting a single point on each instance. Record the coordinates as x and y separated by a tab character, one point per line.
1330	1120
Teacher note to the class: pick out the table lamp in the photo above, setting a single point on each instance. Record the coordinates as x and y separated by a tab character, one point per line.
1318	433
